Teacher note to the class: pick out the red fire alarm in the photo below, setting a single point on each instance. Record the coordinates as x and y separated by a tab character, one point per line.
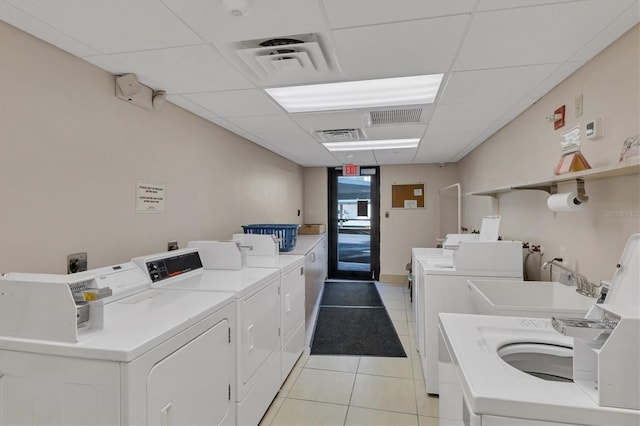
558	117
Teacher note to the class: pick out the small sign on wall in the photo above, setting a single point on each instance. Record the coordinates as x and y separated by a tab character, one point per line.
149	197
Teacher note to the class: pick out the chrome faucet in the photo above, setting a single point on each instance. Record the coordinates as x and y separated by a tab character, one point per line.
582	283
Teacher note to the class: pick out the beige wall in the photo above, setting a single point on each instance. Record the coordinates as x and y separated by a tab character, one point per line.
316	196
528	148
407	228
71	154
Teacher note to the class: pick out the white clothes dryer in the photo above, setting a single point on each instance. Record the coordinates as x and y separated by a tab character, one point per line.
148	358
257	337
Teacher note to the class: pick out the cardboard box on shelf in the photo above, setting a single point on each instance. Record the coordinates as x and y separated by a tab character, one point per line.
311	229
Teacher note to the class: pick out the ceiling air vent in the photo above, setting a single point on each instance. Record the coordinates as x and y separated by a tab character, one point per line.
297	58
339	135
395	116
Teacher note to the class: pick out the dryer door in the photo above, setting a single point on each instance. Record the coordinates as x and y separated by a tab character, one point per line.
191	386
259	324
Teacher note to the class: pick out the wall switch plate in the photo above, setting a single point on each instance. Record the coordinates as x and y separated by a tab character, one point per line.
172	245
76	262
579	106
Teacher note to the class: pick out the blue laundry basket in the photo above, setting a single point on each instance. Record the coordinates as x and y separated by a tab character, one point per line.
287	235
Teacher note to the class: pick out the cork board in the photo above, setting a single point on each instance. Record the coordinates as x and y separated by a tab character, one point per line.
409	196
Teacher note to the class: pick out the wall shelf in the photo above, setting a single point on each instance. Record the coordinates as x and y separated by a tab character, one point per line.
628	167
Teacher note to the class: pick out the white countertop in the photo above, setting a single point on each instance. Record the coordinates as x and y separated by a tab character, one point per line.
305	244
528	298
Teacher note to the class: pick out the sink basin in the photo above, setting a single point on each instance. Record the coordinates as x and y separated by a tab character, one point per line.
540	299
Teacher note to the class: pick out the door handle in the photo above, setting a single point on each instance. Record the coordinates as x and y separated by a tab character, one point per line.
165	419
250	337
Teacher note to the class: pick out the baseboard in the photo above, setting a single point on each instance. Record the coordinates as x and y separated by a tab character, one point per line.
393	279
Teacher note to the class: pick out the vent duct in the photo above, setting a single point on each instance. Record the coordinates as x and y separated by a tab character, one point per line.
386	117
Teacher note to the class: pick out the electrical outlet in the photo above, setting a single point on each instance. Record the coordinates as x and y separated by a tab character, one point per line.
76	262
172	245
579	106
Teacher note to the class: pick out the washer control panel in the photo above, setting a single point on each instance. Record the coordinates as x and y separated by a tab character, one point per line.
172	266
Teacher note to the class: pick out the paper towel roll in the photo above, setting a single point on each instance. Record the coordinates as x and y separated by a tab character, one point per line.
565	202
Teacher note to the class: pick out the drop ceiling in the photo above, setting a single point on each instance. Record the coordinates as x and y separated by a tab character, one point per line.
498	57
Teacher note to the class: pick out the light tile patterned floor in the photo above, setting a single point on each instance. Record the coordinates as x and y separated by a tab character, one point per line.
353	390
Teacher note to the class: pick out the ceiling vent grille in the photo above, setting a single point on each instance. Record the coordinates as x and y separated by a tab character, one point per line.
395	116
339	135
297	58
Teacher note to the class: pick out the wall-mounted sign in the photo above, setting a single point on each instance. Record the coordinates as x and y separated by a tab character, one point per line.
351	170
149	197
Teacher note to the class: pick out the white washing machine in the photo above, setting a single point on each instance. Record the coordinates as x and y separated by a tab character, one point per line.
262	252
70	356
445	289
257	337
421	256
531	371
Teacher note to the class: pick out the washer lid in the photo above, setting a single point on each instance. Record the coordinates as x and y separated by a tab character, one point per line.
625	288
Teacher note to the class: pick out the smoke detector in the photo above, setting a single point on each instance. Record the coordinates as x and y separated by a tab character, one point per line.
237	8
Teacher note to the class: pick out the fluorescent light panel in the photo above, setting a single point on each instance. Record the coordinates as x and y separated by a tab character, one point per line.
414	90
375	144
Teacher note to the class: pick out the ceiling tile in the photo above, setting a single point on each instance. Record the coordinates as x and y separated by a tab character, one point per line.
534	35
484	5
458	114
31	25
177	70
292	142
494	84
353	13
329	120
394	156
617	28
267	18
362	158
185	103
113	25
408	48
395	132
562	72
236	103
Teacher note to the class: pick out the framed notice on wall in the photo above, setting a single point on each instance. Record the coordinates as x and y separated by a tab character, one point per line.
149	197
410	196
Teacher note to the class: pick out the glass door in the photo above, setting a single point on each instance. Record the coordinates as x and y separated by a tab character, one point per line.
354	224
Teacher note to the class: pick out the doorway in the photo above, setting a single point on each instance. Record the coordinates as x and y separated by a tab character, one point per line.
354	224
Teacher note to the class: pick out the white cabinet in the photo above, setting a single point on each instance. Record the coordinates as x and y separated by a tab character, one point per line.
293	318
316	273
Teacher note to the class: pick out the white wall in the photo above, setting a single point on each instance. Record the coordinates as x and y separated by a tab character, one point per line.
528	149
71	154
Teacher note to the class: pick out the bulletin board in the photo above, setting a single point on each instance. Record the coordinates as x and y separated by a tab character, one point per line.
409	196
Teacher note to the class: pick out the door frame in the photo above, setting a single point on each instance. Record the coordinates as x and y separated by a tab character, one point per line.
333	272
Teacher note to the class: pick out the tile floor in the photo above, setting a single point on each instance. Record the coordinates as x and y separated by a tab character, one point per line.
359	390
